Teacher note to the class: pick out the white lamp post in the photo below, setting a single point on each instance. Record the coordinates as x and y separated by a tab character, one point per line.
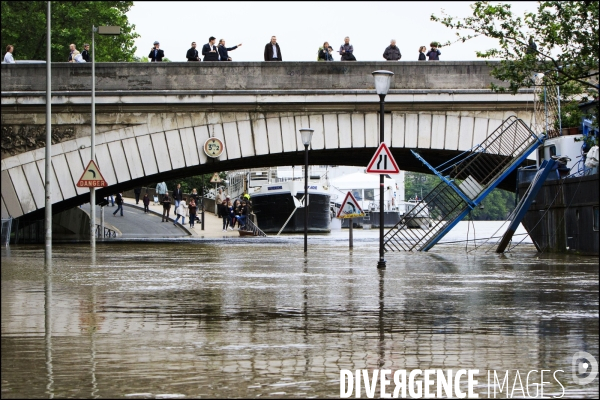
102	30
306	136
382	85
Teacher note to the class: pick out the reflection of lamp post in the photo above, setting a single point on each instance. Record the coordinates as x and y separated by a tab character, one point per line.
306	135
102	30
382	85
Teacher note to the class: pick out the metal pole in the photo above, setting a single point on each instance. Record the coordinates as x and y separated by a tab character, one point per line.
48	163
305	198
92	148
102	222
202	205
381	262
350	233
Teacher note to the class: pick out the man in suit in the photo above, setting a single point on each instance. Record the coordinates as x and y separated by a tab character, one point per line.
223	55
209	50
156	54
192	54
177	195
272	50
86	53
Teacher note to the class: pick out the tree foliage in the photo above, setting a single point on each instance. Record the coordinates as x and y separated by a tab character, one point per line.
496	206
24	26
565	34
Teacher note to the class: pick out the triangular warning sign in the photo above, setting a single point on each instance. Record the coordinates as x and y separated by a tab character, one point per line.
350	208
215	178
92	177
383	162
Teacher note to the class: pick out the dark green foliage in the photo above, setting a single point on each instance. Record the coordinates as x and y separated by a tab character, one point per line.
24	26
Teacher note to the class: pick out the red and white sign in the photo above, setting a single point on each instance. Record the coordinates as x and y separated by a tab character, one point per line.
350	208
383	162
92	177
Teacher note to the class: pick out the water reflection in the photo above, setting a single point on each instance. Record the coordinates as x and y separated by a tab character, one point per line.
241	320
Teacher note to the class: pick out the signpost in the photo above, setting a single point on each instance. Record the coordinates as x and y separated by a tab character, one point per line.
350	209
92	178
213	147
383	162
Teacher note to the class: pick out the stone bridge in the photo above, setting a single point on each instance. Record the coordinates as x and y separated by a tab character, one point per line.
153	119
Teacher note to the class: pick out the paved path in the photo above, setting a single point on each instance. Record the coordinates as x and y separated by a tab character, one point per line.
135	224
212	226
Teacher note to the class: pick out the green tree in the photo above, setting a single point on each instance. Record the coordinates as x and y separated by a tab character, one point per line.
24	26
565	34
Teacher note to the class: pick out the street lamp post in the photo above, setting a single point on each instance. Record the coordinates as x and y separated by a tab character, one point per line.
382	85
102	30
306	135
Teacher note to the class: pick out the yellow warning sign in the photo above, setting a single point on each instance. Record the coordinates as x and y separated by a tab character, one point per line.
215	178
92	177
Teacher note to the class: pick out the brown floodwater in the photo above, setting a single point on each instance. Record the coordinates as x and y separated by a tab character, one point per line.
250	318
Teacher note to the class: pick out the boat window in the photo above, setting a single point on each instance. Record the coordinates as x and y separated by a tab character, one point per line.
551	151
596	218
357	193
369	194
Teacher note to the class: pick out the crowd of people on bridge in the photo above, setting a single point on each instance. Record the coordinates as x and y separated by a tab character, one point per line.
220	52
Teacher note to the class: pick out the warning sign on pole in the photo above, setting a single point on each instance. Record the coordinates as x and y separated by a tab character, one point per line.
215	178
350	208
383	162
92	177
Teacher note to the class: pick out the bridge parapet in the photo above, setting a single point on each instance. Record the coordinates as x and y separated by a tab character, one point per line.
184	76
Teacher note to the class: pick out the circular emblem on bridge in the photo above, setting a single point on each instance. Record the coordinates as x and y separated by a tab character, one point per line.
213	147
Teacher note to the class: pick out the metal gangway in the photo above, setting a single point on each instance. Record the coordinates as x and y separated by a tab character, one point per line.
466	180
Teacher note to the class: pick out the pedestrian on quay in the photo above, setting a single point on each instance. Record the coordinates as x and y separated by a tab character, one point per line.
223	50
137	191
194	195
85	54
434	53
111	198
8	57
177	195
182	211
166	208
392	52
231	213
237	207
156	54
325	53
272	50
209	50
146	201
161	189
73	52
422	51
192	53
243	215
119	201
219	197
224	214
347	50
192	211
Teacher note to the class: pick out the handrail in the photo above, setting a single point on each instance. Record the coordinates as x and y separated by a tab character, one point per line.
108	233
251	227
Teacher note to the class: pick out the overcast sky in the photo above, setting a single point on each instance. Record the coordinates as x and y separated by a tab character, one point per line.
302	27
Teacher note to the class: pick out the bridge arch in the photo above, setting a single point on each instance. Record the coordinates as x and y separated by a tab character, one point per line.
171	145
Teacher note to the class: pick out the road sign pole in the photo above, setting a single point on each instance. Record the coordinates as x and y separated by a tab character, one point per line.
48	152
92	147
350	234
381	263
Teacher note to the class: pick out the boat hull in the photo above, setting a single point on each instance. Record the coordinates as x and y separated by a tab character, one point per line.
564	216
273	210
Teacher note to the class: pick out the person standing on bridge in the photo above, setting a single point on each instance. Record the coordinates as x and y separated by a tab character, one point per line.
161	189
8	57
434	53
166	208
119	201
347	50
422	51
156	54
209	50
74	53
325	53
392	52
272	50
192	54
85	54
177	195
223	51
